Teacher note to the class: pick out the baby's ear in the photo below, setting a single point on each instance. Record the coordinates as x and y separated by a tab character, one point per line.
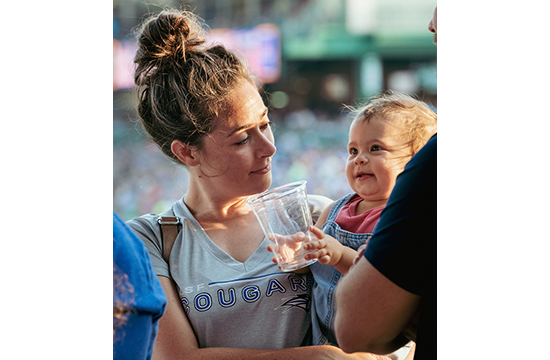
185	153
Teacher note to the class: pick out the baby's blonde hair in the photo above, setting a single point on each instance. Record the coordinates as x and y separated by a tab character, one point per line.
418	121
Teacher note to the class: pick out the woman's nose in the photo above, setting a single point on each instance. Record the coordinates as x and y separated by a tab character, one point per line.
267	148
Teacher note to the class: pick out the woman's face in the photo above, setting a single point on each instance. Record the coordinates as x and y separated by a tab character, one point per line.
235	158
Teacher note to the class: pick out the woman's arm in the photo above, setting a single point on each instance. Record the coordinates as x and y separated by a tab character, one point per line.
176	340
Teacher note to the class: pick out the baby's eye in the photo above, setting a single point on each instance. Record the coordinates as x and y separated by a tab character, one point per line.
352	151
375	148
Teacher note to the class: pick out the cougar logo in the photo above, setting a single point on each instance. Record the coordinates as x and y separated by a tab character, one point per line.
301	301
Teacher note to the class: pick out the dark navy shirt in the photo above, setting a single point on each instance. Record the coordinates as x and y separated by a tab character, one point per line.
404	243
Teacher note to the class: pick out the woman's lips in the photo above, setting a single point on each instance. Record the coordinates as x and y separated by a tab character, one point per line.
263	170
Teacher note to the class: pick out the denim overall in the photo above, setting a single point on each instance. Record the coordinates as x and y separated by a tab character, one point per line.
325	278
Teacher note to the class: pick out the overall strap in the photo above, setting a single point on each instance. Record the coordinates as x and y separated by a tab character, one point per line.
170	227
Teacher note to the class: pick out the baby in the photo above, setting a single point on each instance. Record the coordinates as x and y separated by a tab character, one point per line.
383	137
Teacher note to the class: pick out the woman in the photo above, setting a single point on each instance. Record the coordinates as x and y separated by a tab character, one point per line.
226	299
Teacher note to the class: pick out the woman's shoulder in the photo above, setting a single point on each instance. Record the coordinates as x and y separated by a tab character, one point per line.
151	220
318	201
147	226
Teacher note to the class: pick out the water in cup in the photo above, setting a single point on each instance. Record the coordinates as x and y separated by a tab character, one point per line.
284	215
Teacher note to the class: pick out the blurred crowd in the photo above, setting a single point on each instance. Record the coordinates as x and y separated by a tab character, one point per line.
310	146
310	131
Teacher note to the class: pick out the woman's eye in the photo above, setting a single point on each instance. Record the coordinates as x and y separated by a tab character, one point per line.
243	142
375	148
263	128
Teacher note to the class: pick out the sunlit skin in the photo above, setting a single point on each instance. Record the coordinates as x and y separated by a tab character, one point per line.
377	154
235	159
237	154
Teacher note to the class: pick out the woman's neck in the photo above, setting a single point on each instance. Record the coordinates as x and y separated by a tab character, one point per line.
208	207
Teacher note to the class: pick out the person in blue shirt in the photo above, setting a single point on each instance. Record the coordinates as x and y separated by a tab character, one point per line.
138	298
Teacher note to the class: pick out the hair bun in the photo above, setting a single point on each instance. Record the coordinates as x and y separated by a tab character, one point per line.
172	34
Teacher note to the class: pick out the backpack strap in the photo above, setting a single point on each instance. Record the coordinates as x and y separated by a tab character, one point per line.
169	228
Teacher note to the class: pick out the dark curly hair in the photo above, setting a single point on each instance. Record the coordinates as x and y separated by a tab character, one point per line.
182	82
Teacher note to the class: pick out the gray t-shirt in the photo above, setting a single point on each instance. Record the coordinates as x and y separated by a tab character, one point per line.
230	303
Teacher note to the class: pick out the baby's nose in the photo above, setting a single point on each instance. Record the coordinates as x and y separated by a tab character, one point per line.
361	159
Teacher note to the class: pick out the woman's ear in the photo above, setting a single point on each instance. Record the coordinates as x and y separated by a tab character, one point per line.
184	152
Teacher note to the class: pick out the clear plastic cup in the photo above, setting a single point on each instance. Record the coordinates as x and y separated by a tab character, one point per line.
284	215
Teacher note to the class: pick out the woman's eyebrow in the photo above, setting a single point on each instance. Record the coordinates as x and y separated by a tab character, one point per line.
246	126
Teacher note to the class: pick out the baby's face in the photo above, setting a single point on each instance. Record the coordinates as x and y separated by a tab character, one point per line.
377	154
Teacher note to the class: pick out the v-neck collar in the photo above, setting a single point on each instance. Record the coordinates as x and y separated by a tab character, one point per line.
259	255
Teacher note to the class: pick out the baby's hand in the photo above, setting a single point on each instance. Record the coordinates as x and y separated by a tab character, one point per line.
327	249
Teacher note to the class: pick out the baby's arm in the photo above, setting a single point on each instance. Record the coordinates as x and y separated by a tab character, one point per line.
330	251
